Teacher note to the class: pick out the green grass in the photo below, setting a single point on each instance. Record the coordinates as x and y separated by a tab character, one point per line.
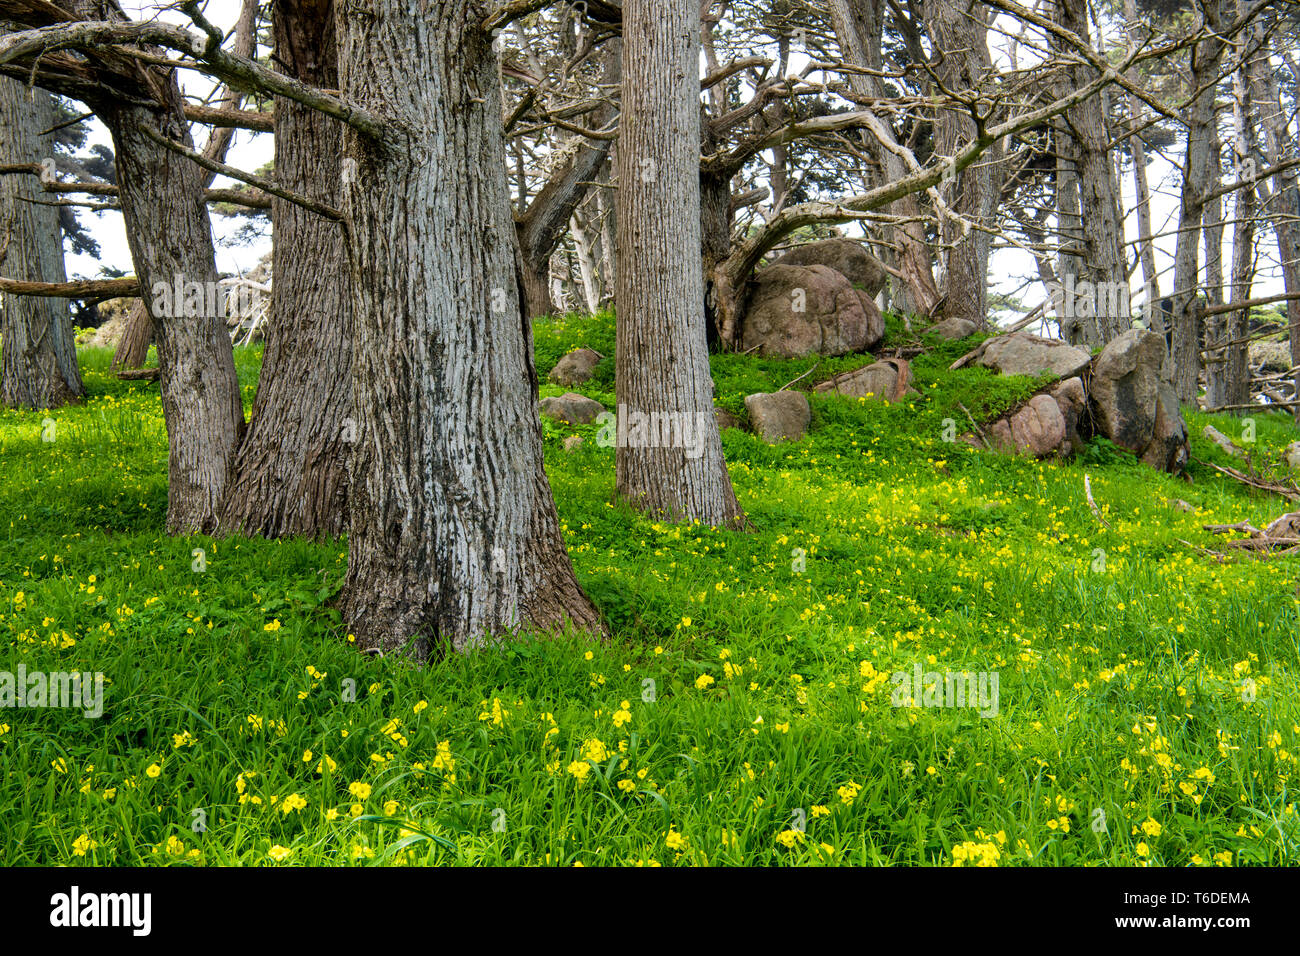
1123	657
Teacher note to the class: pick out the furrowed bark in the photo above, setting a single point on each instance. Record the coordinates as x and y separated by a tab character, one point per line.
170	237
40	359
454	538
662	363
290	474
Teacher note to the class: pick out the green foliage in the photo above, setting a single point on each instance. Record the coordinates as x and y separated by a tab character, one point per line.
1123	656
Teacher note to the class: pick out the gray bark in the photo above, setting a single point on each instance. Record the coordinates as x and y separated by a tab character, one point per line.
40	357
290	474
975	192
1197	176
454	538
662	365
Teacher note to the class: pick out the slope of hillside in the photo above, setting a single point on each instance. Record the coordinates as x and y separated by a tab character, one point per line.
1137	698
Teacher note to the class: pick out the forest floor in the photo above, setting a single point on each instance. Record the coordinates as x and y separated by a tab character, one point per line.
1148	695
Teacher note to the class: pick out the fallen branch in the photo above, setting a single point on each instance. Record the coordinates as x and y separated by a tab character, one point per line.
1092	503
1290	492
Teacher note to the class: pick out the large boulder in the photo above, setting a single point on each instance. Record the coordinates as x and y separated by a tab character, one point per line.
571	407
575	367
1047	426
863	270
1036	429
886	381
799	310
779	416
1072	401
1023	354
1133	406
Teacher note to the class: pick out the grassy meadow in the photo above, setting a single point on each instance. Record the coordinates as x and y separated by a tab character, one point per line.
743	711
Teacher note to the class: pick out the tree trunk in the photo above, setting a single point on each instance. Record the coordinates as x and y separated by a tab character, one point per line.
1236	372
166	219
1197	175
1282	201
1102	262
975	193
541	227
290	474
137	335
1141	185
858	27
676	470
40	359
454	538
1216	358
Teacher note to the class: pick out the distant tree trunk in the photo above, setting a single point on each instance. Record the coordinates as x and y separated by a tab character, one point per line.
586	262
454	538
1216	354
137	335
290	474
542	225
662	366
974	195
1236	371
858	27
40	359
167	226
1102	230
1141	185
1197	175
1282	201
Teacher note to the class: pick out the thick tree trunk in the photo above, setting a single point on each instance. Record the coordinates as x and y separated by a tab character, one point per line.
167	226
290	475
676	470
40	359
454	538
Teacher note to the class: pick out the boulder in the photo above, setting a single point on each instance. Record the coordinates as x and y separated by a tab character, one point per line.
1036	429
576	367
1292	454
954	328
863	270
573	443
887	381
779	416
799	310
1072	401
1133	406
115	314
1047	426
571	407
1023	354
